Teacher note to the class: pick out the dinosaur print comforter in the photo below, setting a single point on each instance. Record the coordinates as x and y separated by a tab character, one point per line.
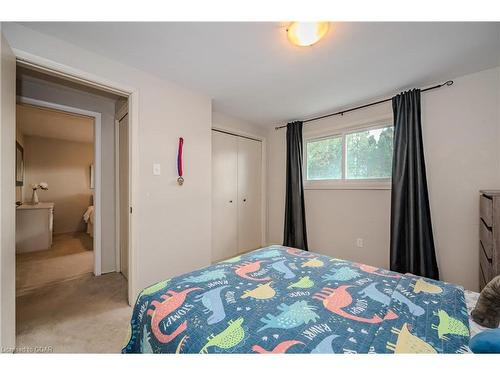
284	300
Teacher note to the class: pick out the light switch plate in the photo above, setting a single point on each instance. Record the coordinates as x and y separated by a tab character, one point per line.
359	242
156	169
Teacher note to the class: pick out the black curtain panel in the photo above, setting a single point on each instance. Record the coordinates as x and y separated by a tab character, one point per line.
412	241
295	215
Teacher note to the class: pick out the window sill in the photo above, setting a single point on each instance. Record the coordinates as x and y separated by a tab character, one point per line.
348	185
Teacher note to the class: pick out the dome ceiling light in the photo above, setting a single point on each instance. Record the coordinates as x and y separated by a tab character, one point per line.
306	34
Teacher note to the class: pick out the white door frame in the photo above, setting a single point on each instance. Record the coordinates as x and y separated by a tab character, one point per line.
97	167
117	198
263	174
89	79
118	254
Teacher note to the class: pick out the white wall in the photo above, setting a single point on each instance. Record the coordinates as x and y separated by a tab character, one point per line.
55	93
172	223
462	144
335	218
225	122
461	127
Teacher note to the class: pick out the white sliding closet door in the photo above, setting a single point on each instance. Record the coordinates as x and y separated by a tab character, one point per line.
224	196
249	194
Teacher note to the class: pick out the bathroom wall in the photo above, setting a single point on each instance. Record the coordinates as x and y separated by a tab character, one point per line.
65	166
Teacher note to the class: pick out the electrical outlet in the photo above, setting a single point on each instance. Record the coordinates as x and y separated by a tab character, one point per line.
156	169
359	242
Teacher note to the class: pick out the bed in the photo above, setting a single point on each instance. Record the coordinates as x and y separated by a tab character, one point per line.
88	217
284	300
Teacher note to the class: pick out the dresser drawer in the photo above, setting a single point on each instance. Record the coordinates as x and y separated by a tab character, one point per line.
482	280
486	210
485	265
486	238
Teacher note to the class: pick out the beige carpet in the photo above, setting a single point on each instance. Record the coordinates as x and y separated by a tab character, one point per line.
70	256
86	315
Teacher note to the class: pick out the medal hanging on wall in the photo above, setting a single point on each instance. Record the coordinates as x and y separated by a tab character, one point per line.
180	179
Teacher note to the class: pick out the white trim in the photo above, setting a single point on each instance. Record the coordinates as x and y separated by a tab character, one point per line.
133	158
92	80
120	115
117	198
374	121
50	67
366	184
263	178
97	169
264	193
121	112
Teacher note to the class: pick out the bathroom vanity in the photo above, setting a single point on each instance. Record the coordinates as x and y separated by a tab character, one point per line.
34	225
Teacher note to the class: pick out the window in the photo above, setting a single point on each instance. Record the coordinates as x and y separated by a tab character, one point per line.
324	159
359	155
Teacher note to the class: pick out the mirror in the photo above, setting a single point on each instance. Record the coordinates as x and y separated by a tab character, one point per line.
19	165
92	185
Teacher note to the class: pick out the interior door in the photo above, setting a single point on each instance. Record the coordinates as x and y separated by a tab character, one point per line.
249	194
7	195
224	196
124	193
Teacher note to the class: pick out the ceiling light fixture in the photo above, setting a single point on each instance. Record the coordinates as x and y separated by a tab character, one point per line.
305	34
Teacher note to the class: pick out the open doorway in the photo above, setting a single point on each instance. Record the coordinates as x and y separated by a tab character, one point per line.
55	194
122	176
67	149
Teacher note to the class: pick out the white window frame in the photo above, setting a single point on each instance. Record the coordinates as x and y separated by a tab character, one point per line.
343	183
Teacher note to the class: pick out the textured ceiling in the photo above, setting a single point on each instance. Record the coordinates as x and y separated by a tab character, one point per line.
252	72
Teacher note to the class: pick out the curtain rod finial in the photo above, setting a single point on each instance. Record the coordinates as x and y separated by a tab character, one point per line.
341	113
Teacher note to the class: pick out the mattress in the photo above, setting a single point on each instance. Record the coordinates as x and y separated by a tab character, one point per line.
284	300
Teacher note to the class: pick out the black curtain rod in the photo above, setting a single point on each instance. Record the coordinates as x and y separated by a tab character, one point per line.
447	83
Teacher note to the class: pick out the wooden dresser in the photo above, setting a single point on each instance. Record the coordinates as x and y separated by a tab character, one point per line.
489	236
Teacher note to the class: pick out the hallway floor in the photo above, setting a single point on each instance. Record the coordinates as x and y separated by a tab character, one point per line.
69	257
85	315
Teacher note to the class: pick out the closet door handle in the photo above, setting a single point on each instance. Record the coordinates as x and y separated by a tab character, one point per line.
230	201
244	200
